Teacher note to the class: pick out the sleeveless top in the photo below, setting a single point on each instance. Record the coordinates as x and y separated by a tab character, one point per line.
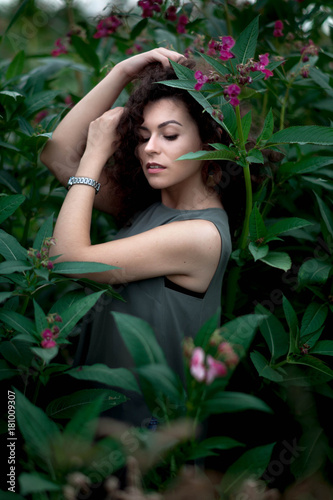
172	311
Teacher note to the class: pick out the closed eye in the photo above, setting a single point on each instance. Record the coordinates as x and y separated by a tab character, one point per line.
171	137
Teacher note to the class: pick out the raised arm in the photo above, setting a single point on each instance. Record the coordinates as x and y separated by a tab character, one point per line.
62	153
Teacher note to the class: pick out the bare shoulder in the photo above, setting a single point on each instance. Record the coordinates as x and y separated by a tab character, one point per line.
199	235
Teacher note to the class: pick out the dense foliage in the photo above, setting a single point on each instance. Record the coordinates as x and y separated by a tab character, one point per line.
264	379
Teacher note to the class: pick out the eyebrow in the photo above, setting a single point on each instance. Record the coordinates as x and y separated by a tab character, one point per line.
164	124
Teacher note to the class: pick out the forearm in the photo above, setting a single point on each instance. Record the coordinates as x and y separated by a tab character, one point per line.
72	229
63	152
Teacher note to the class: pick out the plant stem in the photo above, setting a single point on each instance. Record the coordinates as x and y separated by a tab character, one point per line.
283	109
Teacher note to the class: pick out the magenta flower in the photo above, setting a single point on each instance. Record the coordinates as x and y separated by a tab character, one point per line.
181	25
261	65
58	318
201	80
149	6
267	73
171	13
232	91
227	43
212	46
305	71
215	370
230	358
61	48
278	27
197	368
107	26
47	334
310	49
48	344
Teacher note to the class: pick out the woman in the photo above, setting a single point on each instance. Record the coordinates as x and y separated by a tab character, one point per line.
174	244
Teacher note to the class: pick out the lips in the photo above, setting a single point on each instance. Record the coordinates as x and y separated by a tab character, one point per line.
155	166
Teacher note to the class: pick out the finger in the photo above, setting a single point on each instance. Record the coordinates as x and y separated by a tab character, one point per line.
133	474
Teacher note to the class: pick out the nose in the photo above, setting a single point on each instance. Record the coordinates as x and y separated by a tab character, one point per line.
152	145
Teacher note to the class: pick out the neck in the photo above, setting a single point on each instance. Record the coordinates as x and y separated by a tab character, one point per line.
193	199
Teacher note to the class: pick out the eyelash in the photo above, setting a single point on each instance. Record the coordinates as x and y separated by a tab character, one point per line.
167	137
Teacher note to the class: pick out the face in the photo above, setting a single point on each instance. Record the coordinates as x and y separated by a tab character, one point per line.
168	132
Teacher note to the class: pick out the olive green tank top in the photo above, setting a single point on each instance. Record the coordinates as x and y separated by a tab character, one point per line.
172	311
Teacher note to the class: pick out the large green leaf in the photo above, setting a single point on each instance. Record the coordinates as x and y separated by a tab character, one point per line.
326	213
292	321
286	225
40	317
313	318
258	252
209	155
10	248
314	271
306	166
116	377
217	65
17	352
309	134
14	266
76	311
257	226
36	483
230	402
280	260
246	43
17	321
163	380
68	406
45	354
323	347
268	128
45	231
273	332
81	267
263	368
8	205
206	448
312	362
252	464
140	339
241	330
16	66
86	52
6	371
37	437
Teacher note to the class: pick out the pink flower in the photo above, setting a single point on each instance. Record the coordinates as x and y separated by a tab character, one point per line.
61	49
212	46
58	318
48	344
197	368
171	13
201	80
278	27
215	370
230	358
267	73
227	43
107	26
182	22
225	55
149	6
305	71
261	65
310	49
232	91
47	334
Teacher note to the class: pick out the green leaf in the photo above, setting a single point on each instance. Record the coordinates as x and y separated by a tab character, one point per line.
77	310
86	52
17	352
45	231
273	332
326	214
267	130
8	495
255	156
162	380
252	464
37	437
10	248
5	295
38	101
14	266
313	318
230	402
36	483
309	134
16	66
280	260
306	166
323	347
5	370
217	65
246	125
241	330
258	252
312	362
313	271
17	321
40	318
292	321
81	267
8	205
264	370
209	155
116	377
68	406
138	28
45	354
17	14
206	448
202	337
9	181
257	226
140	339
321	79
246	43
285	225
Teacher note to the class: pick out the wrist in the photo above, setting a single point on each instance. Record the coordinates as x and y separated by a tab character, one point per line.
90	166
